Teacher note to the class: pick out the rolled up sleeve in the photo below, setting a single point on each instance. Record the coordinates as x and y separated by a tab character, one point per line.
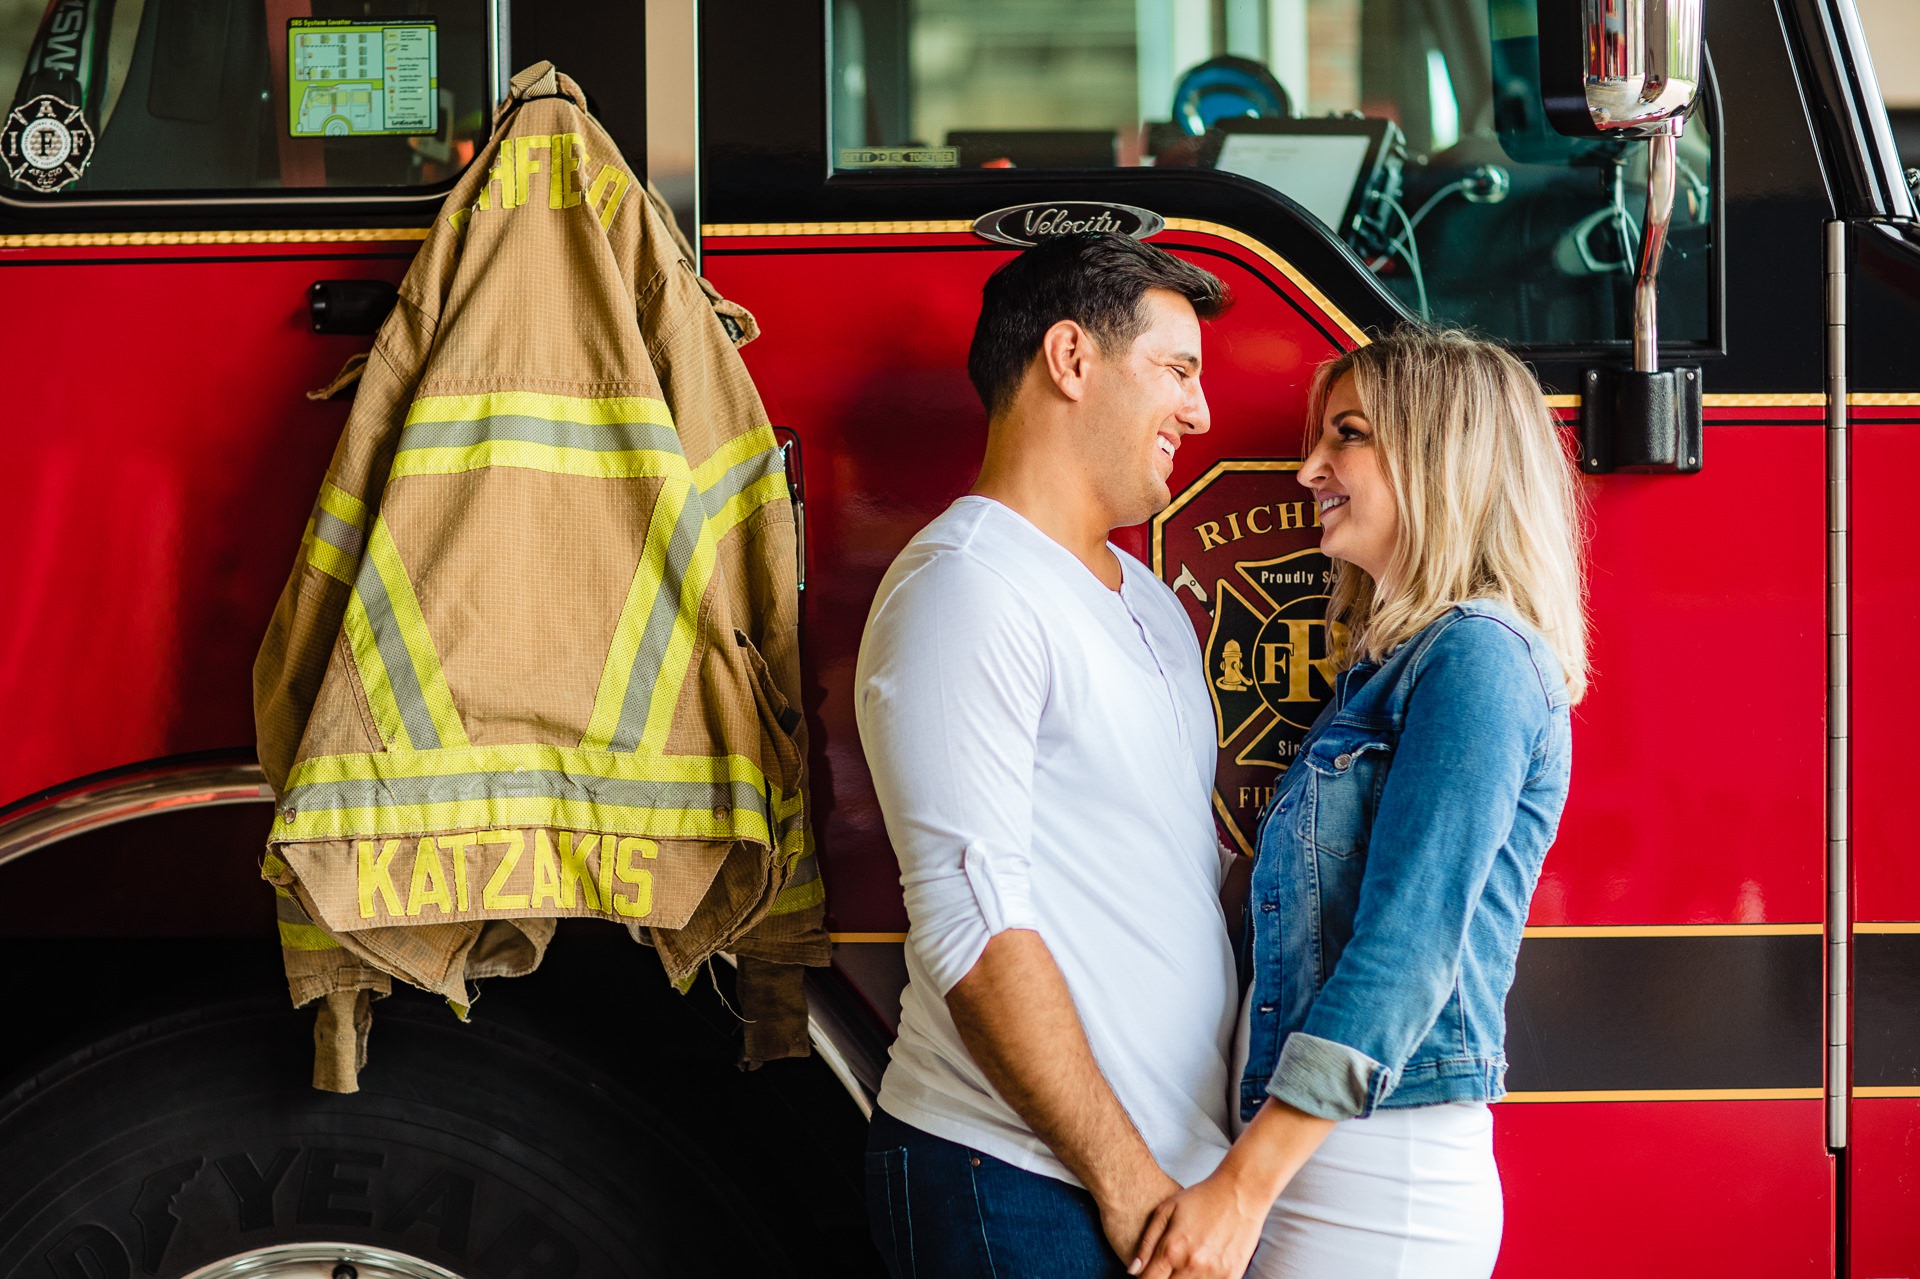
1474	718
951	685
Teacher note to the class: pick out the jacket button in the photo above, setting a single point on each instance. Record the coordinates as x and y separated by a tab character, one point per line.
1266	906
1266	1008
1341	761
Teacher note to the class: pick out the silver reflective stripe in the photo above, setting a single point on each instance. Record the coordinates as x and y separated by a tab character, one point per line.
618	437
651	654
401	677
337	533
741	476
806	872
288	911
397	792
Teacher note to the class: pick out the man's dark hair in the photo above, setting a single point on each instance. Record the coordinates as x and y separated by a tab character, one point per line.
1095	279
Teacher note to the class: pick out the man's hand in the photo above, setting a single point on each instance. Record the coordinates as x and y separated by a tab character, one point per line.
1206	1232
1017	1019
1126	1210
1211	1230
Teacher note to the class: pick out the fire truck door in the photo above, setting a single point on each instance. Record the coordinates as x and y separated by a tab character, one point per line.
1666	1028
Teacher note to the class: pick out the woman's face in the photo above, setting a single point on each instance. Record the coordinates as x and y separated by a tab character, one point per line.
1360	521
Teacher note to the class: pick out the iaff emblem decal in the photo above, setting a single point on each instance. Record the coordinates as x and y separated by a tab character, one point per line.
46	143
1241	547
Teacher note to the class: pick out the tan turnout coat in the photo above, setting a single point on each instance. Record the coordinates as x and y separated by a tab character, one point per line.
538	655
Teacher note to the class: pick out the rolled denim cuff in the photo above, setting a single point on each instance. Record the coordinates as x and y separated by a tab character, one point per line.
1328	1079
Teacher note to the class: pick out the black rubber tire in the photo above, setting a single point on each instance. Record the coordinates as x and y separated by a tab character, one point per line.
180	1141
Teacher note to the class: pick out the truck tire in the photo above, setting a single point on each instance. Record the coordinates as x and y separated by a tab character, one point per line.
192	1145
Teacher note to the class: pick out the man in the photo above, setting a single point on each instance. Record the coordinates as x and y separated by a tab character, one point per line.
1033	705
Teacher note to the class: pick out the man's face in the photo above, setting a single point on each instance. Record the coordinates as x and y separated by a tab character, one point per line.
1142	403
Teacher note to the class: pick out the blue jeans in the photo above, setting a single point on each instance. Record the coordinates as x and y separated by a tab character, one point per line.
939	1210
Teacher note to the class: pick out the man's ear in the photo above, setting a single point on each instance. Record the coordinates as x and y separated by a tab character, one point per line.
1067	353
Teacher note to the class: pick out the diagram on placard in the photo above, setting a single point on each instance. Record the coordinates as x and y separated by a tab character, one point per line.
348	77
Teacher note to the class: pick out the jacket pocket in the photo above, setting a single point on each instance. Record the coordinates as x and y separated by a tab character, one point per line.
780	722
1345	769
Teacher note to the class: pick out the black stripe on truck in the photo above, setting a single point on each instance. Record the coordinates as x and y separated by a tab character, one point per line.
1886	1009
1600	1014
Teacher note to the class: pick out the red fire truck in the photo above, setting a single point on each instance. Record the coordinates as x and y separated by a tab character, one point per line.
1715	1032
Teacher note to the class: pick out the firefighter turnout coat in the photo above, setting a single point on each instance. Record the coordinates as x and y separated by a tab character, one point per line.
538	655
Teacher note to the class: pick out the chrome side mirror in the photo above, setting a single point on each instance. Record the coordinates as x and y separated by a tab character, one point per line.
1619	68
1631	69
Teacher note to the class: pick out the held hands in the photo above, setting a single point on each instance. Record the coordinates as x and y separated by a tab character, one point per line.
1124	1212
1206	1232
1210	1231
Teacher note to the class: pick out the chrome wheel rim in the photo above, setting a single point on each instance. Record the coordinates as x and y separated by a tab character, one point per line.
322	1261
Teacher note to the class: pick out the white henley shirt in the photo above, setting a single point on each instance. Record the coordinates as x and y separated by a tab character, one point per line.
1043	751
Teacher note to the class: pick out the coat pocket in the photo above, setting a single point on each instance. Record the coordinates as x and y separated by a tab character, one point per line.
1345	769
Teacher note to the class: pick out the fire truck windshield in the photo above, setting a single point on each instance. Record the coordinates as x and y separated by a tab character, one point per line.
1412	129
132	97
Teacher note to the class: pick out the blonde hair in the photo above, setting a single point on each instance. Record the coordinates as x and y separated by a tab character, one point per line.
1489	505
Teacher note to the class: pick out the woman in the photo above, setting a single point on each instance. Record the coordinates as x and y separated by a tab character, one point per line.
1399	852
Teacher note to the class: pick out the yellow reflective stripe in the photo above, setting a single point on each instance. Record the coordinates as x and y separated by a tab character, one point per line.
586	410
413	632
771	488
679	652
305	937
735	451
520	811
386	766
387	720
799	897
328	558
617	673
343	505
272	865
529	456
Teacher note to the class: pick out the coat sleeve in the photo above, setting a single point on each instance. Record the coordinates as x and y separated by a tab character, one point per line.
306	621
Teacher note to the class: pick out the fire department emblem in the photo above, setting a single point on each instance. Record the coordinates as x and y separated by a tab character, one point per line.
1241	548
46	143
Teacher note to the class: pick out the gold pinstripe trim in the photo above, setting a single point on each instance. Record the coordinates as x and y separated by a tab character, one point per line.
144	239
1871	1093
952	226
1902	927
1670	1094
1811	399
957	227
1675	930
1808	399
1631	930
1878	399
1279	264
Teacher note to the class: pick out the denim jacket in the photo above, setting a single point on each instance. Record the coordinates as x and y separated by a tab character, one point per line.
1396	861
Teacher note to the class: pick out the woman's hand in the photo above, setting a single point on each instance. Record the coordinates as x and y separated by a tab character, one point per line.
1206	1232
1210	1230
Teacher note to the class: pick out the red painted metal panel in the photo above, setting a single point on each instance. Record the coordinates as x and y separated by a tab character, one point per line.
1886	679
1600	1190
1691	803
1883	1195
159	476
1699	764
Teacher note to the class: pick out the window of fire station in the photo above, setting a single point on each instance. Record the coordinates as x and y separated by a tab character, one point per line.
161	97
1413	129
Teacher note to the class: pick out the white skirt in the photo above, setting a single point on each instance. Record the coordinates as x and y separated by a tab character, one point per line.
1401	1194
